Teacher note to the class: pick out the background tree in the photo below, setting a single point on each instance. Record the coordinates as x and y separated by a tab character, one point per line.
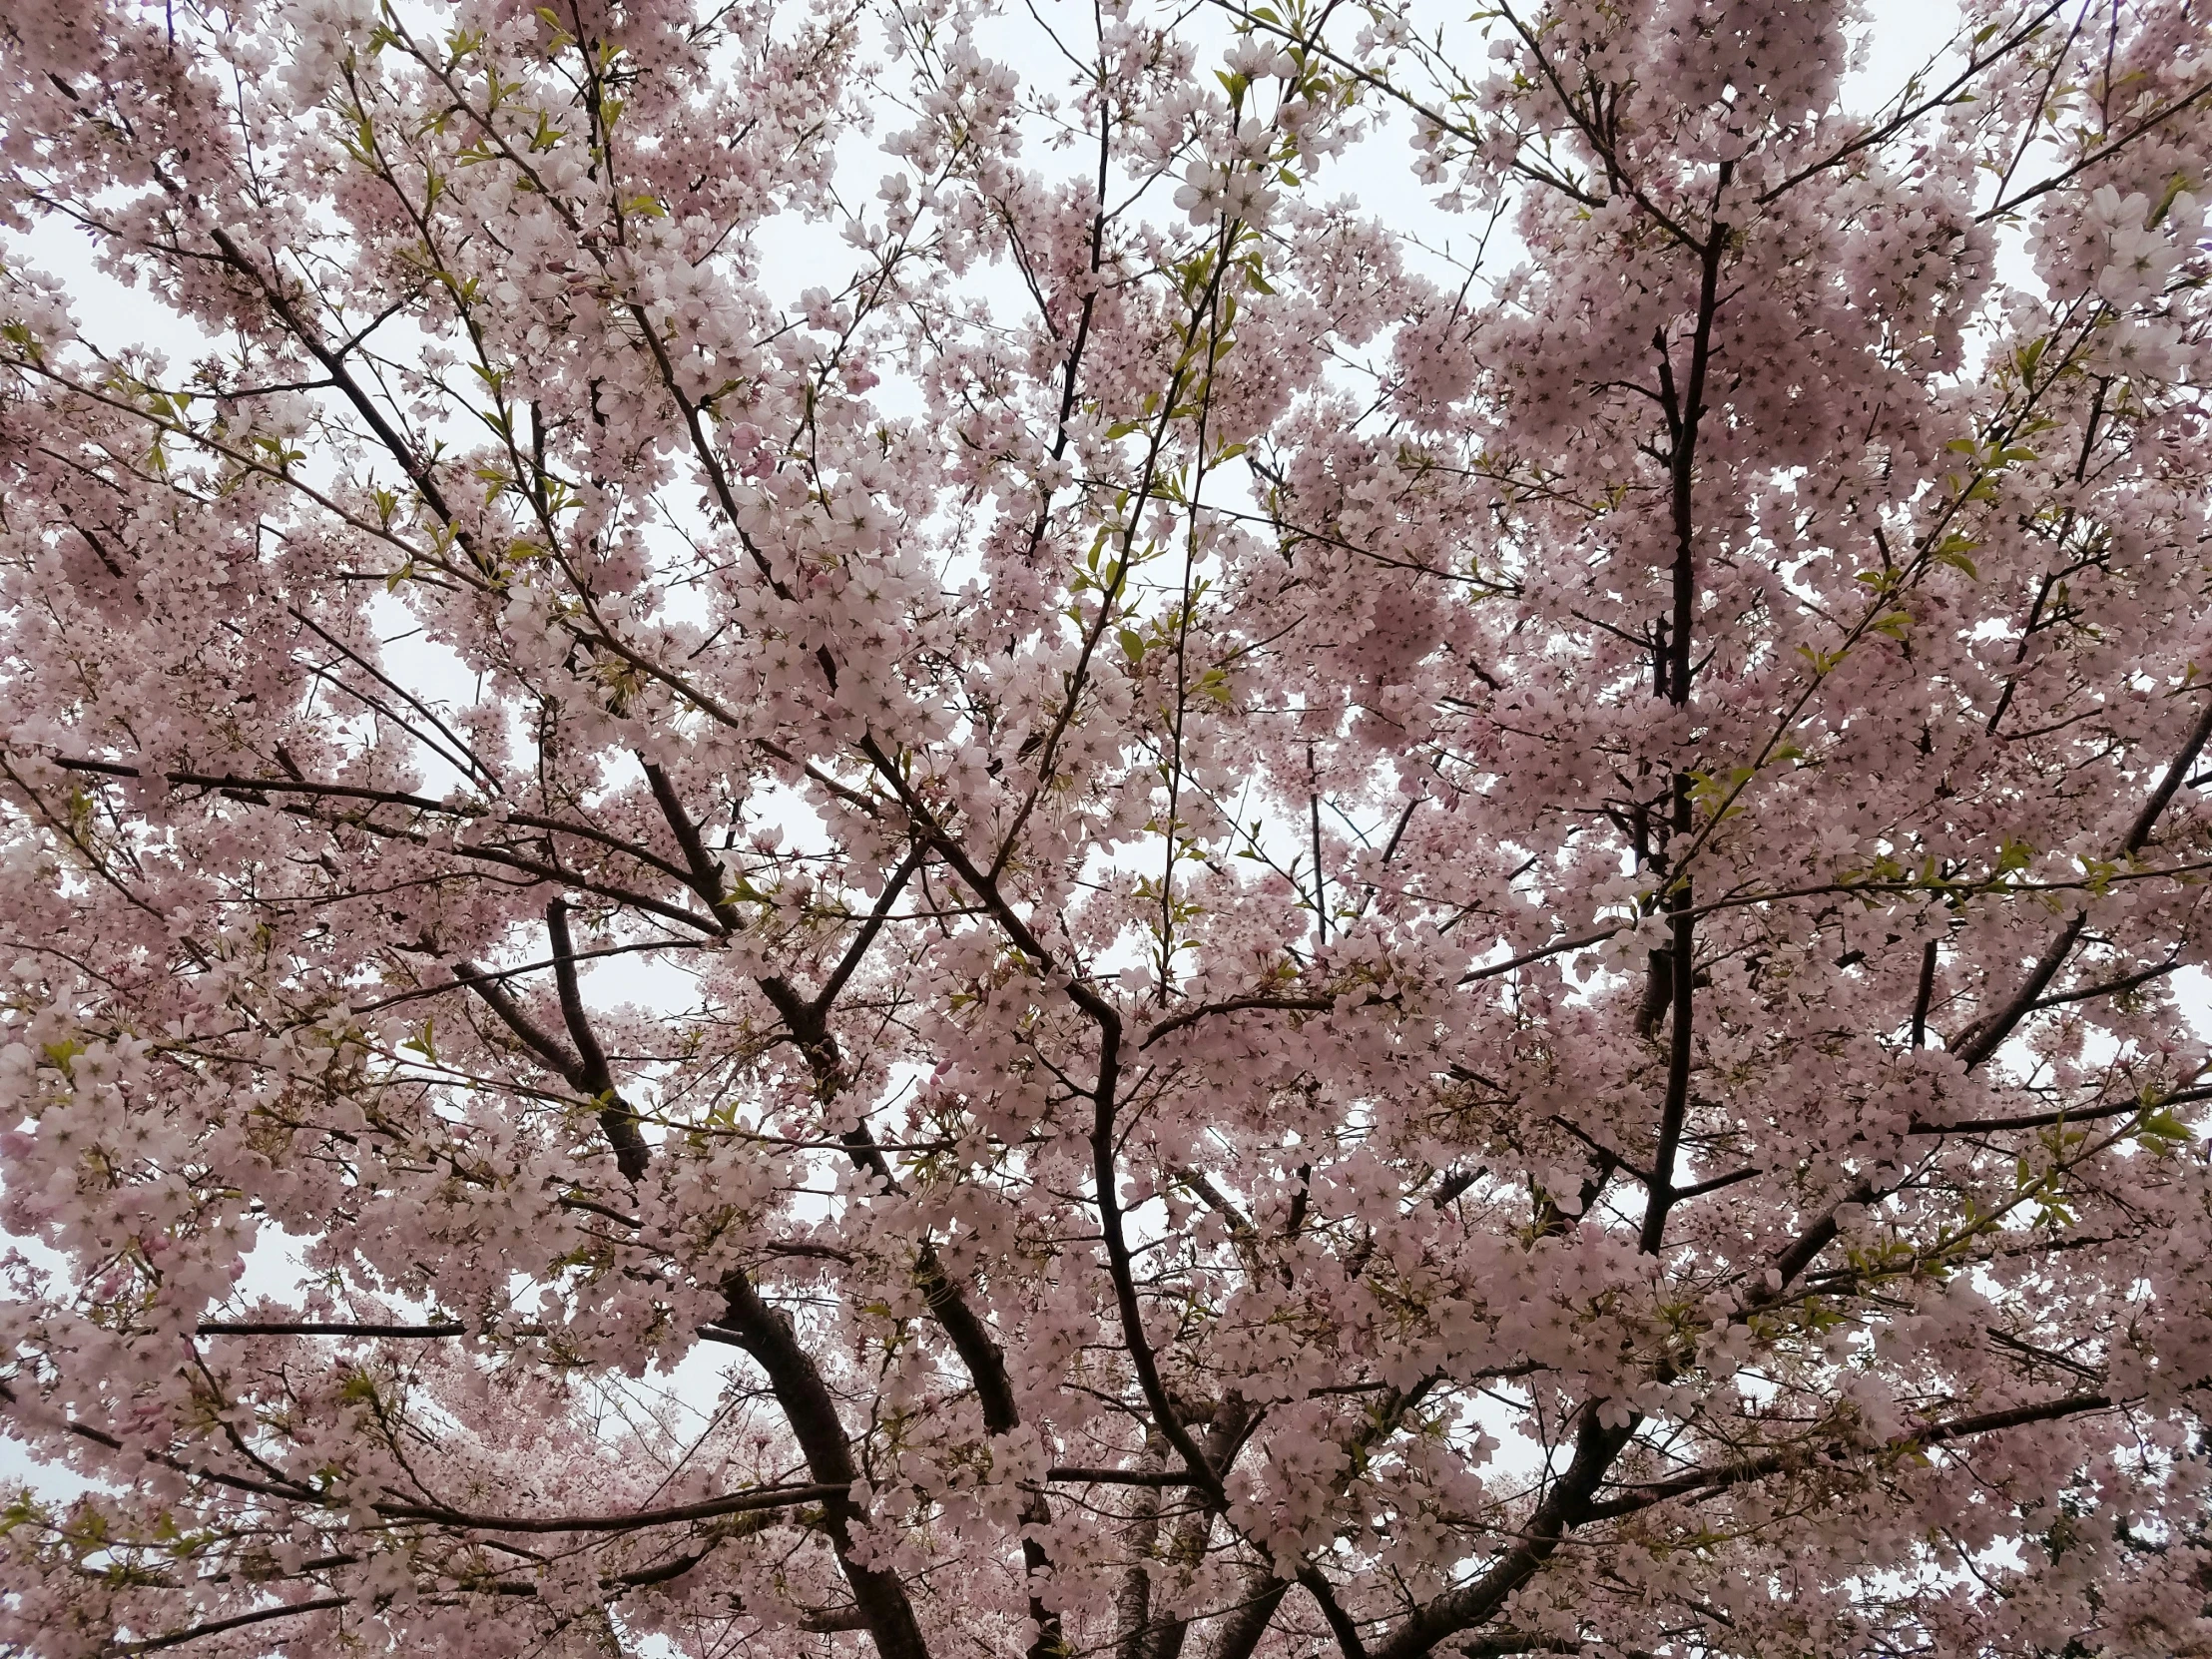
1235	941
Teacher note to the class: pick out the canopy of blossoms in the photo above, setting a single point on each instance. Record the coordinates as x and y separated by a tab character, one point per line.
1103	901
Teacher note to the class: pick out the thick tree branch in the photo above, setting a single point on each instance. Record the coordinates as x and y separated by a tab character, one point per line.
767	1334
618	1119
1564	1506
1704	1482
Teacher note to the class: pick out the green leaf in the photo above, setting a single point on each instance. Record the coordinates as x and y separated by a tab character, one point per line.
2162	1133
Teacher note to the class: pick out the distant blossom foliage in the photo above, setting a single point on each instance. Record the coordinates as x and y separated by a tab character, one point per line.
1097	904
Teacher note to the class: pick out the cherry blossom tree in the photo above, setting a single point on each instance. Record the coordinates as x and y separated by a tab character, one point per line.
1094	907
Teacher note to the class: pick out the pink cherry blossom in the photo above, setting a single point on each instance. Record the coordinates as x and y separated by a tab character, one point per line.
1368	835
